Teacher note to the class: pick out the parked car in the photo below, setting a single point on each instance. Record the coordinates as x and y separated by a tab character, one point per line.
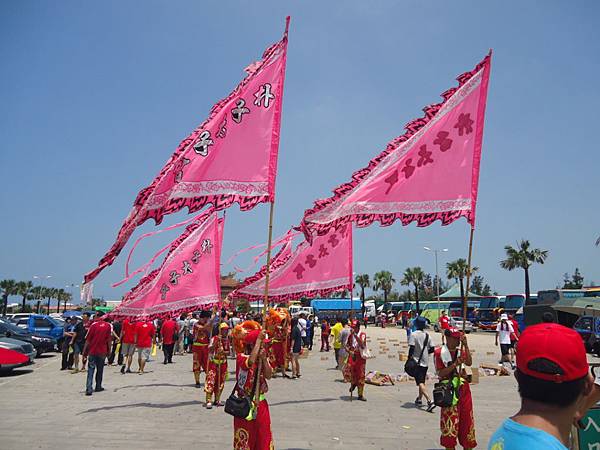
588	328
457	322
43	325
14	317
42	344
10	359
18	346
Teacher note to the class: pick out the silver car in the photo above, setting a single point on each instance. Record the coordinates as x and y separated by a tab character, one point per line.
457	322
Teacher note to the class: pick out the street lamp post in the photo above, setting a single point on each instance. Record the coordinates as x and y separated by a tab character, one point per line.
437	276
42	277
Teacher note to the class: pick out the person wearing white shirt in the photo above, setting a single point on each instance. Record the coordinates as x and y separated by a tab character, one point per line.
302	325
504	330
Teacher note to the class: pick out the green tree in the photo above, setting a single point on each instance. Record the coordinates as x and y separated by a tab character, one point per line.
24	289
523	257
384	281
59	295
480	287
457	270
573	282
414	276
364	282
9	287
67	296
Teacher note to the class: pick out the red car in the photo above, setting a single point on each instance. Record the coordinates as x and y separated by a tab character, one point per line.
10	359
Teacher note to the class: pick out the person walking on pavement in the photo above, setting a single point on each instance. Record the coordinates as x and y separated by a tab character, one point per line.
96	347
144	338
127	344
217	366
297	342
325	332
169	336
115	343
337	343
504	330
420	347
356	367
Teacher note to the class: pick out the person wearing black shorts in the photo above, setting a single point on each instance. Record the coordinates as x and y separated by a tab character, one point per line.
420	347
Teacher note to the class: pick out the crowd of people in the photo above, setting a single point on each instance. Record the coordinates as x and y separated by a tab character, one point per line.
550	366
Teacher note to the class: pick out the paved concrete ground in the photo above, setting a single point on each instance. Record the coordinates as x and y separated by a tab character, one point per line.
46	408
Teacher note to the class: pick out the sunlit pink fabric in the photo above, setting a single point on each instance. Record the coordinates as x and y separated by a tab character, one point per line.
189	277
230	158
312	270
429	173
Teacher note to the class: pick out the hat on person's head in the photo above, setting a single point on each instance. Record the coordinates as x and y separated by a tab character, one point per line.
552	352
420	323
454	333
503	317
251	337
223	326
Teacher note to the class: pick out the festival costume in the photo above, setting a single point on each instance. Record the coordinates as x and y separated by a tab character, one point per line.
252	434
278	348
354	370
456	422
200	350
217	368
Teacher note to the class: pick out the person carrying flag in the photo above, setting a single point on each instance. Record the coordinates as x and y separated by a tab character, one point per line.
217	366
356	366
201	333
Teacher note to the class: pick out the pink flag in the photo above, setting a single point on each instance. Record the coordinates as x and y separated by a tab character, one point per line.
188	278
231	157
431	172
312	270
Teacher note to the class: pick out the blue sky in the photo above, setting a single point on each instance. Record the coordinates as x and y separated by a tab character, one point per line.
96	95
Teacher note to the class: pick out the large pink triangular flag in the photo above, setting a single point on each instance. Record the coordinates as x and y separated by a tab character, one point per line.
189	277
231	157
429	173
312	270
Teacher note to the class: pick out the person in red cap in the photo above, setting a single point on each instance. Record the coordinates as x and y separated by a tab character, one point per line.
253	432
554	380
217	366
201	333
356	366
456	421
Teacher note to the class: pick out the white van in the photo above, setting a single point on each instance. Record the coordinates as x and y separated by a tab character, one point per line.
296	310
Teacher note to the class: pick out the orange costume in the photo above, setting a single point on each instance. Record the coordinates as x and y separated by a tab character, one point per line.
200	350
254	432
217	368
354	370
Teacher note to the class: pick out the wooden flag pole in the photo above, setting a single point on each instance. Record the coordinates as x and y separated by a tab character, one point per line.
466	297
268	274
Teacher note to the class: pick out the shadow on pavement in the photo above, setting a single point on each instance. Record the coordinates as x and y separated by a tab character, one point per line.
294	402
409	405
14	373
45	356
154	385
142	405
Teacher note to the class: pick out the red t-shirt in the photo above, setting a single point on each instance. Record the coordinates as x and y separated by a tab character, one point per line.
128	331
167	331
514	336
144	332
98	338
444	322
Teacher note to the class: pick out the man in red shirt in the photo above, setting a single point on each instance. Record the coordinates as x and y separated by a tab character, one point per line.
144	337
444	325
169	333
127	343
97	346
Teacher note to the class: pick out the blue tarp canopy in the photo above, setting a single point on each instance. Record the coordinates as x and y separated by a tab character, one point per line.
335	304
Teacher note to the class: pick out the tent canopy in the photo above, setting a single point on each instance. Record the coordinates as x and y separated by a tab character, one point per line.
454	293
328	304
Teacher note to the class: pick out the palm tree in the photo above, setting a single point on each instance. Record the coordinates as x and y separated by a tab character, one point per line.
59	296
48	293
457	270
383	280
414	276
523	257
67	296
24	289
9	287
364	282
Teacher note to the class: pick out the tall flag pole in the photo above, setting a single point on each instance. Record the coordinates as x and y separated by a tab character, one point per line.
230	158
276	134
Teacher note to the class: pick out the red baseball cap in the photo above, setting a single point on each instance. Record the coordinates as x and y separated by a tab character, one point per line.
556	343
